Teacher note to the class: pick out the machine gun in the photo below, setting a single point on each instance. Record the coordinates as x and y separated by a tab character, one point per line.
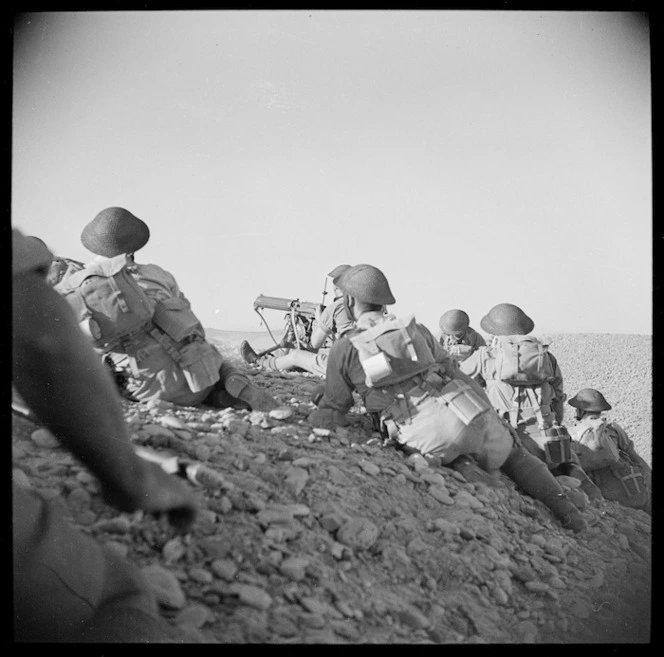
300	319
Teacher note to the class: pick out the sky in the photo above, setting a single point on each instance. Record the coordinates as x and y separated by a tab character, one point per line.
475	157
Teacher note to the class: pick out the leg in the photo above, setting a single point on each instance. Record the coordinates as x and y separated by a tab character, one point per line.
68	588
233	385
534	478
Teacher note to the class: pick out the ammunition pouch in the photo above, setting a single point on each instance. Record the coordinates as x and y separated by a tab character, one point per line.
175	318
631	479
433	414
557	445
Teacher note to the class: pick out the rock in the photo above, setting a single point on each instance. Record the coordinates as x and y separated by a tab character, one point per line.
45	439
369	468
283	413
117	525
358	533
224	569
294	568
296	478
252	596
19	478
200	575
442	495
173	550
465	499
195	615
445	526
166	586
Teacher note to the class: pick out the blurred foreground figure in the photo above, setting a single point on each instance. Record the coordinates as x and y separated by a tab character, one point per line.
457	336
67	587
525	386
332	322
607	454
422	399
138	317
60	268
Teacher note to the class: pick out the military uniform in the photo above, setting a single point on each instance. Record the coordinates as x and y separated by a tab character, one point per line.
607	454
463	346
62	577
527	408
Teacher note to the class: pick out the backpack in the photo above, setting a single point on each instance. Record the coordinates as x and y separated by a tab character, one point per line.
627	469
522	360
435	413
108	302
392	352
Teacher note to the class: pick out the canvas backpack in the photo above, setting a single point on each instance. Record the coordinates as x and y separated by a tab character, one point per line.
522	360
432	414
392	351
108	302
627	469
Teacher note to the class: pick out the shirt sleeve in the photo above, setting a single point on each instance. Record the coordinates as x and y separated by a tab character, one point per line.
326	322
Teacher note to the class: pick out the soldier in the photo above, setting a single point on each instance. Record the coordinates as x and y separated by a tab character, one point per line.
67	587
165	356
457	336
423	400
60	268
333	322
607	454
525	385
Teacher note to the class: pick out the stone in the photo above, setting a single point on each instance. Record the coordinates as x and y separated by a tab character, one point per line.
173	550
446	526
252	596
19	478
359	533
200	575
195	615
296	478
172	422
166	586
44	438
294	568
369	468
465	499
282	413
442	495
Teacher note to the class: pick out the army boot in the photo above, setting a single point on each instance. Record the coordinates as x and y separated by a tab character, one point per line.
257	399
248	355
563	508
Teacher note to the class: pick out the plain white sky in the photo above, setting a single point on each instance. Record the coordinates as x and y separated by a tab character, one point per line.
476	157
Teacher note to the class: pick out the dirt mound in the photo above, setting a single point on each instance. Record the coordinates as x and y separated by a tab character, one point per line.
312	536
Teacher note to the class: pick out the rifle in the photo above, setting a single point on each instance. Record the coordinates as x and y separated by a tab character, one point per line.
300	319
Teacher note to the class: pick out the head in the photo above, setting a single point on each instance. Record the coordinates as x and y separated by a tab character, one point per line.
115	231
454	322
38	245
365	288
335	275
507	319
588	401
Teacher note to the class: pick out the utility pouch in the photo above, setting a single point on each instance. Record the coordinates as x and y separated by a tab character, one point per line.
463	401
175	319
557	444
200	363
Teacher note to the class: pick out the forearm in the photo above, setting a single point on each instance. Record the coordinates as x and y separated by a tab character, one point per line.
47	373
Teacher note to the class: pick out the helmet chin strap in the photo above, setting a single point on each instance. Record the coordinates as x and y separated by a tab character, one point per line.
347	306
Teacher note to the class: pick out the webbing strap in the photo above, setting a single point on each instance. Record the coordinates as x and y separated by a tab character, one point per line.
166	343
118	294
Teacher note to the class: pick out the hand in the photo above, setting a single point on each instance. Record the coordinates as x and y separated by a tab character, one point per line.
327	418
317	393
157	492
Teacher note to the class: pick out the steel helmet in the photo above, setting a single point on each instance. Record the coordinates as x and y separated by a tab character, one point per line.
336	272
507	319
454	321
590	399
366	283
114	231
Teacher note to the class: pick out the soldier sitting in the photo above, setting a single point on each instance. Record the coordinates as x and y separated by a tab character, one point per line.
332	322
607	454
525	385
137	315
424	402
457	336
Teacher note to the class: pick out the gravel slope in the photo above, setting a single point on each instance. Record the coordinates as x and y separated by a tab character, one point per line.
323	537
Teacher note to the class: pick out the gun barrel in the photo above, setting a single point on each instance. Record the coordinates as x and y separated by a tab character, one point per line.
306	308
274	303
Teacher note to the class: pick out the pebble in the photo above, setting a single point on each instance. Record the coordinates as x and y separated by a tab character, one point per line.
446	526
44	438
537	587
465	499
195	615
19	478
441	494
369	468
201	575
294	568
172	422
166	586
118	525
283	413
173	550
252	596
296	478
597	581
358	533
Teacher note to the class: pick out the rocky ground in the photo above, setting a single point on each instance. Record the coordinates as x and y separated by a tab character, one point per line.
316	536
